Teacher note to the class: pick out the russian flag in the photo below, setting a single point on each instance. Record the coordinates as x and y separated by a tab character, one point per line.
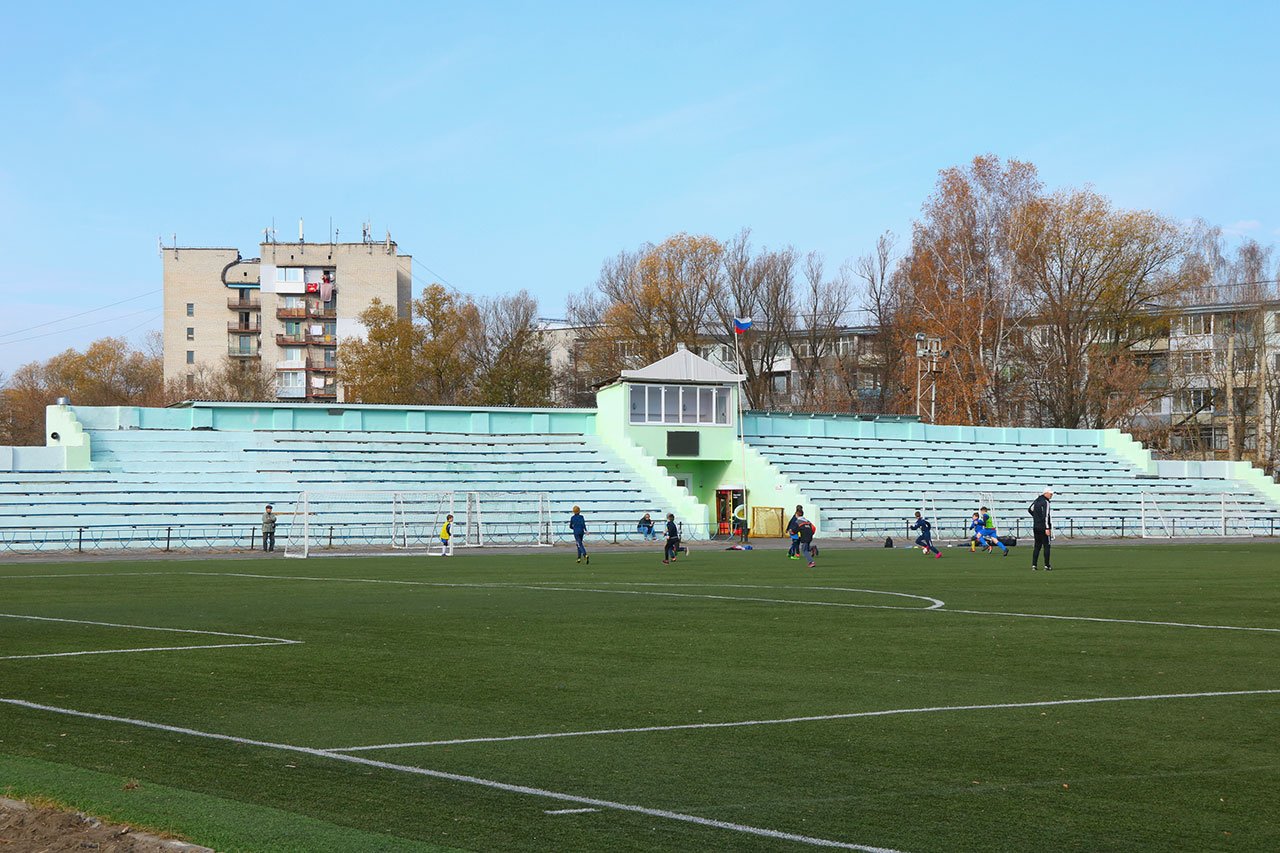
741	324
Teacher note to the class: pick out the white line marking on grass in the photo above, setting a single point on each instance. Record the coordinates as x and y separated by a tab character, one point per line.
811	719
546	588
569	811
1112	619
934	603
458	777
265	641
939	607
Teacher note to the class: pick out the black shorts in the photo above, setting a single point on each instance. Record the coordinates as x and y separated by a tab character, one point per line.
1042	538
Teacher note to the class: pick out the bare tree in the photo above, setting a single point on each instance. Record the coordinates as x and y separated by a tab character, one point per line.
513	364
885	301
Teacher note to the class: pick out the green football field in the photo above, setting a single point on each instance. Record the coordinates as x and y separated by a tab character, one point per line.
733	701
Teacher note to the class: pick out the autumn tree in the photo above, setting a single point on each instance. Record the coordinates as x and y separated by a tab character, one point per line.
451	326
647	301
427	358
382	366
959	273
1095	282
109	372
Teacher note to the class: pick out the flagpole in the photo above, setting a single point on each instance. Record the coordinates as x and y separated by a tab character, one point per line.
742	428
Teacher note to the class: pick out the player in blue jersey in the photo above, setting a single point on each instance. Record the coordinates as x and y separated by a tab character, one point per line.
975	532
925	539
989	534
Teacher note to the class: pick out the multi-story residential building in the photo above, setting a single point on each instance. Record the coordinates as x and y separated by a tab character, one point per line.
282	313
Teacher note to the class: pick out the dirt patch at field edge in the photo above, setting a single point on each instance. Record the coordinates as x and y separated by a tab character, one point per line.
25	828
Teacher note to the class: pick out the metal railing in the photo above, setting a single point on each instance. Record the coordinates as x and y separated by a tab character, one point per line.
358	536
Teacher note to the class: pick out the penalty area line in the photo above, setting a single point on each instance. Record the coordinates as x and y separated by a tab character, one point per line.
892	712
458	777
260	640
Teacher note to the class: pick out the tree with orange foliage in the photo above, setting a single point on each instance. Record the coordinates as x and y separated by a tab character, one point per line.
959	277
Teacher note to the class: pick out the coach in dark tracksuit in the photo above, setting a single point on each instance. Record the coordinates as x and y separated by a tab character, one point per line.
1042	527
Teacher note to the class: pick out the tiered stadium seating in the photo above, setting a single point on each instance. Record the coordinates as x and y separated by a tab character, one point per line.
211	485
872	486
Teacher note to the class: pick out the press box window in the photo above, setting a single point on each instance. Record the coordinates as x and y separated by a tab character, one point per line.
679	404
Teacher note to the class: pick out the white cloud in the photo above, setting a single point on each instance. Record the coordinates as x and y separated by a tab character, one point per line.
1241	227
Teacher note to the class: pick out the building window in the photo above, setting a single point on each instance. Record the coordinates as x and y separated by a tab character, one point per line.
1194	324
294	302
191	333
191	382
191	357
191	309
291	379
1193	400
679	404
289	274
297	354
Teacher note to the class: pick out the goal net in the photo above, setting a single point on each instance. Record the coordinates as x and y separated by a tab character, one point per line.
340	523
1223	516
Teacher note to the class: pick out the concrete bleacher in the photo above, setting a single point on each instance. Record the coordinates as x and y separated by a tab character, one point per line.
868	479
198	476
212	484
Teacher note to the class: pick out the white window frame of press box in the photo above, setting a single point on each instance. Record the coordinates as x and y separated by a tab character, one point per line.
669	405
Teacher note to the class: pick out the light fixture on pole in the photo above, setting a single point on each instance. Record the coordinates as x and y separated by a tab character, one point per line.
929	356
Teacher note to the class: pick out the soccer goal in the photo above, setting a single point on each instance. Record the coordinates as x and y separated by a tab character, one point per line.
344	523
1224	517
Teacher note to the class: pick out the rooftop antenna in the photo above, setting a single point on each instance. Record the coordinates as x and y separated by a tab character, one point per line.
388	241
300	240
160	245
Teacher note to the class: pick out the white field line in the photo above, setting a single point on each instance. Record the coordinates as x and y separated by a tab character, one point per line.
939	607
569	811
935	603
811	719
265	641
458	777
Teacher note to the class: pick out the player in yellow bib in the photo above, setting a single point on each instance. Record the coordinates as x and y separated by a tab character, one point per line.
446	537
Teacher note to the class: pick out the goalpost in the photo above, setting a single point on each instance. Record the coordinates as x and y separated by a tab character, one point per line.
370	522
1229	518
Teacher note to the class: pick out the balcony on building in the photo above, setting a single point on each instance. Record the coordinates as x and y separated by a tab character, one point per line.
322	340
252	303
321	311
242	350
295	313
297	340
321	365
254	327
328	391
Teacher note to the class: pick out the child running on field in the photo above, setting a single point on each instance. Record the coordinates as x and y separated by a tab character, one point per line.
925	539
989	534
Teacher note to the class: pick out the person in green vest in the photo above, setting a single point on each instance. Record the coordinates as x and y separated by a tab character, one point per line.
989	532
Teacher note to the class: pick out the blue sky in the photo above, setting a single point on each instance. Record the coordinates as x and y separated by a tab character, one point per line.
516	145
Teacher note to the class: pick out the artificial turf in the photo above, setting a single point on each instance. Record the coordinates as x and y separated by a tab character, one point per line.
627	642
